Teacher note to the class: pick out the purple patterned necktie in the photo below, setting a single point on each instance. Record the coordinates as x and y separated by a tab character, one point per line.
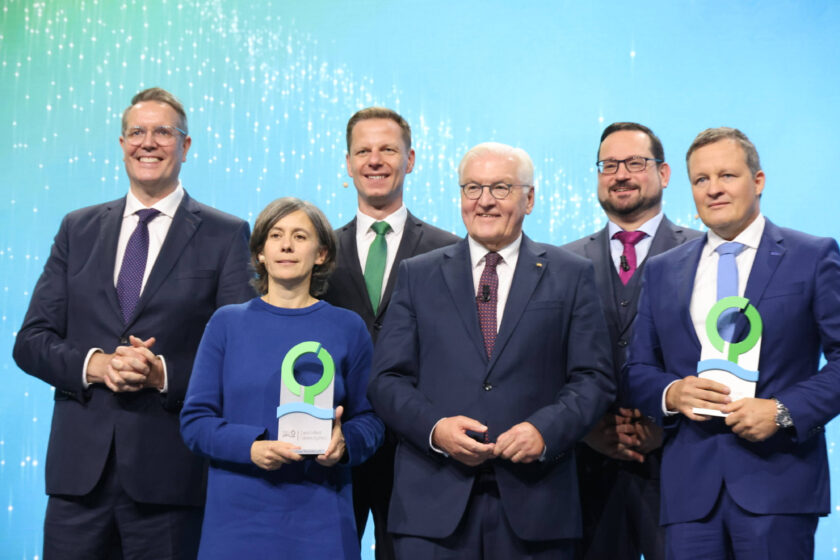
133	266
628	257
488	296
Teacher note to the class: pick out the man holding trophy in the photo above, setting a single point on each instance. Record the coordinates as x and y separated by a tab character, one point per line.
726	355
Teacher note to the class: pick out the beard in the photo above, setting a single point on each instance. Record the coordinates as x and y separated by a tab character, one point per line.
631	208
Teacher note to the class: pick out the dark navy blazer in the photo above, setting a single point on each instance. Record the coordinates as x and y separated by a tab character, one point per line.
551	367
203	264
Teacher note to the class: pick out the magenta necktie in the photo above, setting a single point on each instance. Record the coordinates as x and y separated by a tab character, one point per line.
628	257
488	297
133	266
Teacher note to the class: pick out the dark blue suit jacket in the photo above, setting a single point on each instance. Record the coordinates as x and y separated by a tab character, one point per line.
795	285
203	264
551	367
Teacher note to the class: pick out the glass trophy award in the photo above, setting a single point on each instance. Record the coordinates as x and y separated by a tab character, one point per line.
305	415
725	369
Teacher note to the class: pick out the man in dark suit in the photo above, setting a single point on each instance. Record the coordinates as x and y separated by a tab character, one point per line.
618	465
492	362
379	156
126	278
752	484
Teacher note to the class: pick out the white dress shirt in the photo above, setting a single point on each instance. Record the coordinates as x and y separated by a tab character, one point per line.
504	270
704	293
158	228
365	236
642	247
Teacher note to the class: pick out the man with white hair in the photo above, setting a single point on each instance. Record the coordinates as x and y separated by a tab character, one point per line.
493	361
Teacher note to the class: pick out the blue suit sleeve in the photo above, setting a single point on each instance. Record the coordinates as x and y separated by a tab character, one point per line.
814	401
41	346
393	386
644	372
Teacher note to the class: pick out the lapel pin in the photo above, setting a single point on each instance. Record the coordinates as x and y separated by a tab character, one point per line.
539	265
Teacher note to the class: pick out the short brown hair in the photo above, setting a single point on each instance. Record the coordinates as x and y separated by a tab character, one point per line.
712	135
379	113
163	96
326	240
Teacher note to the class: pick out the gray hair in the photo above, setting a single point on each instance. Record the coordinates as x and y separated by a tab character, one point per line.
525	167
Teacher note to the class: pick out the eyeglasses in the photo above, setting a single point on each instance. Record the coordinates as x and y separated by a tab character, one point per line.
162	135
498	191
633	164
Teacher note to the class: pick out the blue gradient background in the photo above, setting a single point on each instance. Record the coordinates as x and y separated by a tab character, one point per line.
269	88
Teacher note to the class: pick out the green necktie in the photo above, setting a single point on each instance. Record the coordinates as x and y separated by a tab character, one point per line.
375	264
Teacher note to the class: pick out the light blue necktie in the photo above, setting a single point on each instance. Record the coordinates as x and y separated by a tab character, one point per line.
727	286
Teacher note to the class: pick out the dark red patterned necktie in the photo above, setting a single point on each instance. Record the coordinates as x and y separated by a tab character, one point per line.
488	297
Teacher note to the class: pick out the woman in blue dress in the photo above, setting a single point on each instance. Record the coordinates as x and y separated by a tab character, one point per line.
264	499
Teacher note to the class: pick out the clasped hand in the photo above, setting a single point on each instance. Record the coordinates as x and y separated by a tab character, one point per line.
522	443
129	368
627	435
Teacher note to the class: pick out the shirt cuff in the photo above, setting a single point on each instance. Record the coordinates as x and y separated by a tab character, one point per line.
665	410
435	449
90	353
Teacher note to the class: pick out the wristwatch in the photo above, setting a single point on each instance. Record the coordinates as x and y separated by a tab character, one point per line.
783	418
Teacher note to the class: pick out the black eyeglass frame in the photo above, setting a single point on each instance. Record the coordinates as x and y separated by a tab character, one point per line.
627	162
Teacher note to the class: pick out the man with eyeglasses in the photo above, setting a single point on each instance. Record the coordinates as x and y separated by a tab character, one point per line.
370	248
492	363
113	326
618	464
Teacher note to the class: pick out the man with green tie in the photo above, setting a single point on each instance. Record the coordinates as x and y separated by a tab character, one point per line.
370	247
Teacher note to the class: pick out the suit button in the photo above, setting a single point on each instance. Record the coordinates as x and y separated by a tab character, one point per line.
622	343
377	326
488	387
624	303
123	340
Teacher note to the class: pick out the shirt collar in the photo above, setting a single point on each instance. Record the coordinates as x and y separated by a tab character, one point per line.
168	205
649	227
396	220
479	251
750	237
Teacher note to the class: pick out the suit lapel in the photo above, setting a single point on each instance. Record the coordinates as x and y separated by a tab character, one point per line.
412	233
185	223
349	257
109	234
770	252
530	267
598	251
685	269
457	276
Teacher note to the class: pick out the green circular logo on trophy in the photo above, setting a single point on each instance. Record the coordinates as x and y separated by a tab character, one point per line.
305	414
740	380
751	313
